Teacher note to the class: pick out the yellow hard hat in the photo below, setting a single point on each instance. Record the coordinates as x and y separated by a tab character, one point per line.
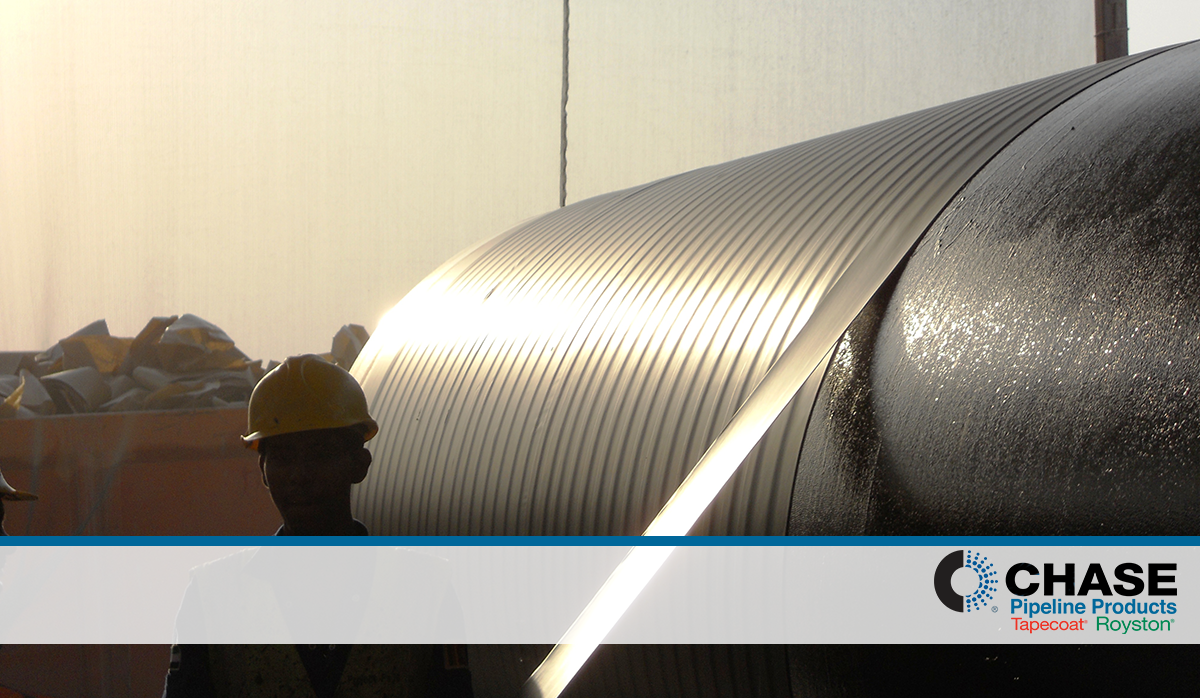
10	493
305	393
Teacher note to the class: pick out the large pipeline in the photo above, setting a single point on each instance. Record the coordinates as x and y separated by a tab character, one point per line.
1029	367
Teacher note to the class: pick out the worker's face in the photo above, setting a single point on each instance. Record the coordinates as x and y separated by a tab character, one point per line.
309	474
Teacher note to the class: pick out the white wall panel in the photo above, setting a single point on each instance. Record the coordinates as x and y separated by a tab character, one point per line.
282	168
660	88
278	168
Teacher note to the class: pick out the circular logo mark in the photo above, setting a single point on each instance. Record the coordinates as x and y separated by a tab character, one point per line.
985	586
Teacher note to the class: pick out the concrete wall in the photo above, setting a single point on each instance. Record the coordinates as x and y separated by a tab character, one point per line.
283	168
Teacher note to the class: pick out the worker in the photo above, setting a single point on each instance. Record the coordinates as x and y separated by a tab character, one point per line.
309	424
12	494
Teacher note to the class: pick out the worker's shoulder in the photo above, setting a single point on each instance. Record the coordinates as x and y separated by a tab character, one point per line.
412	564
239	568
390	564
229	564
413	556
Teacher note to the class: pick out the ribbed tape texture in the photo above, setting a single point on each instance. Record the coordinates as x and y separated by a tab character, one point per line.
563	377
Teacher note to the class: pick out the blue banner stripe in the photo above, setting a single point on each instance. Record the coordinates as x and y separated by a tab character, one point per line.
613	541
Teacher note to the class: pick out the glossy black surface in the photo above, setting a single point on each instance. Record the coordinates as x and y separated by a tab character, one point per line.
1037	368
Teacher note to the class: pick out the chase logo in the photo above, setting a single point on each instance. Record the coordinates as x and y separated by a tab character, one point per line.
985	578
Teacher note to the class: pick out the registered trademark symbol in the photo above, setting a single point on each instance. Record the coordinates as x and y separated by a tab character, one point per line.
995	609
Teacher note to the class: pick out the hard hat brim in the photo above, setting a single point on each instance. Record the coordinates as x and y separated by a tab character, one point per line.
13	494
251	440
18	496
